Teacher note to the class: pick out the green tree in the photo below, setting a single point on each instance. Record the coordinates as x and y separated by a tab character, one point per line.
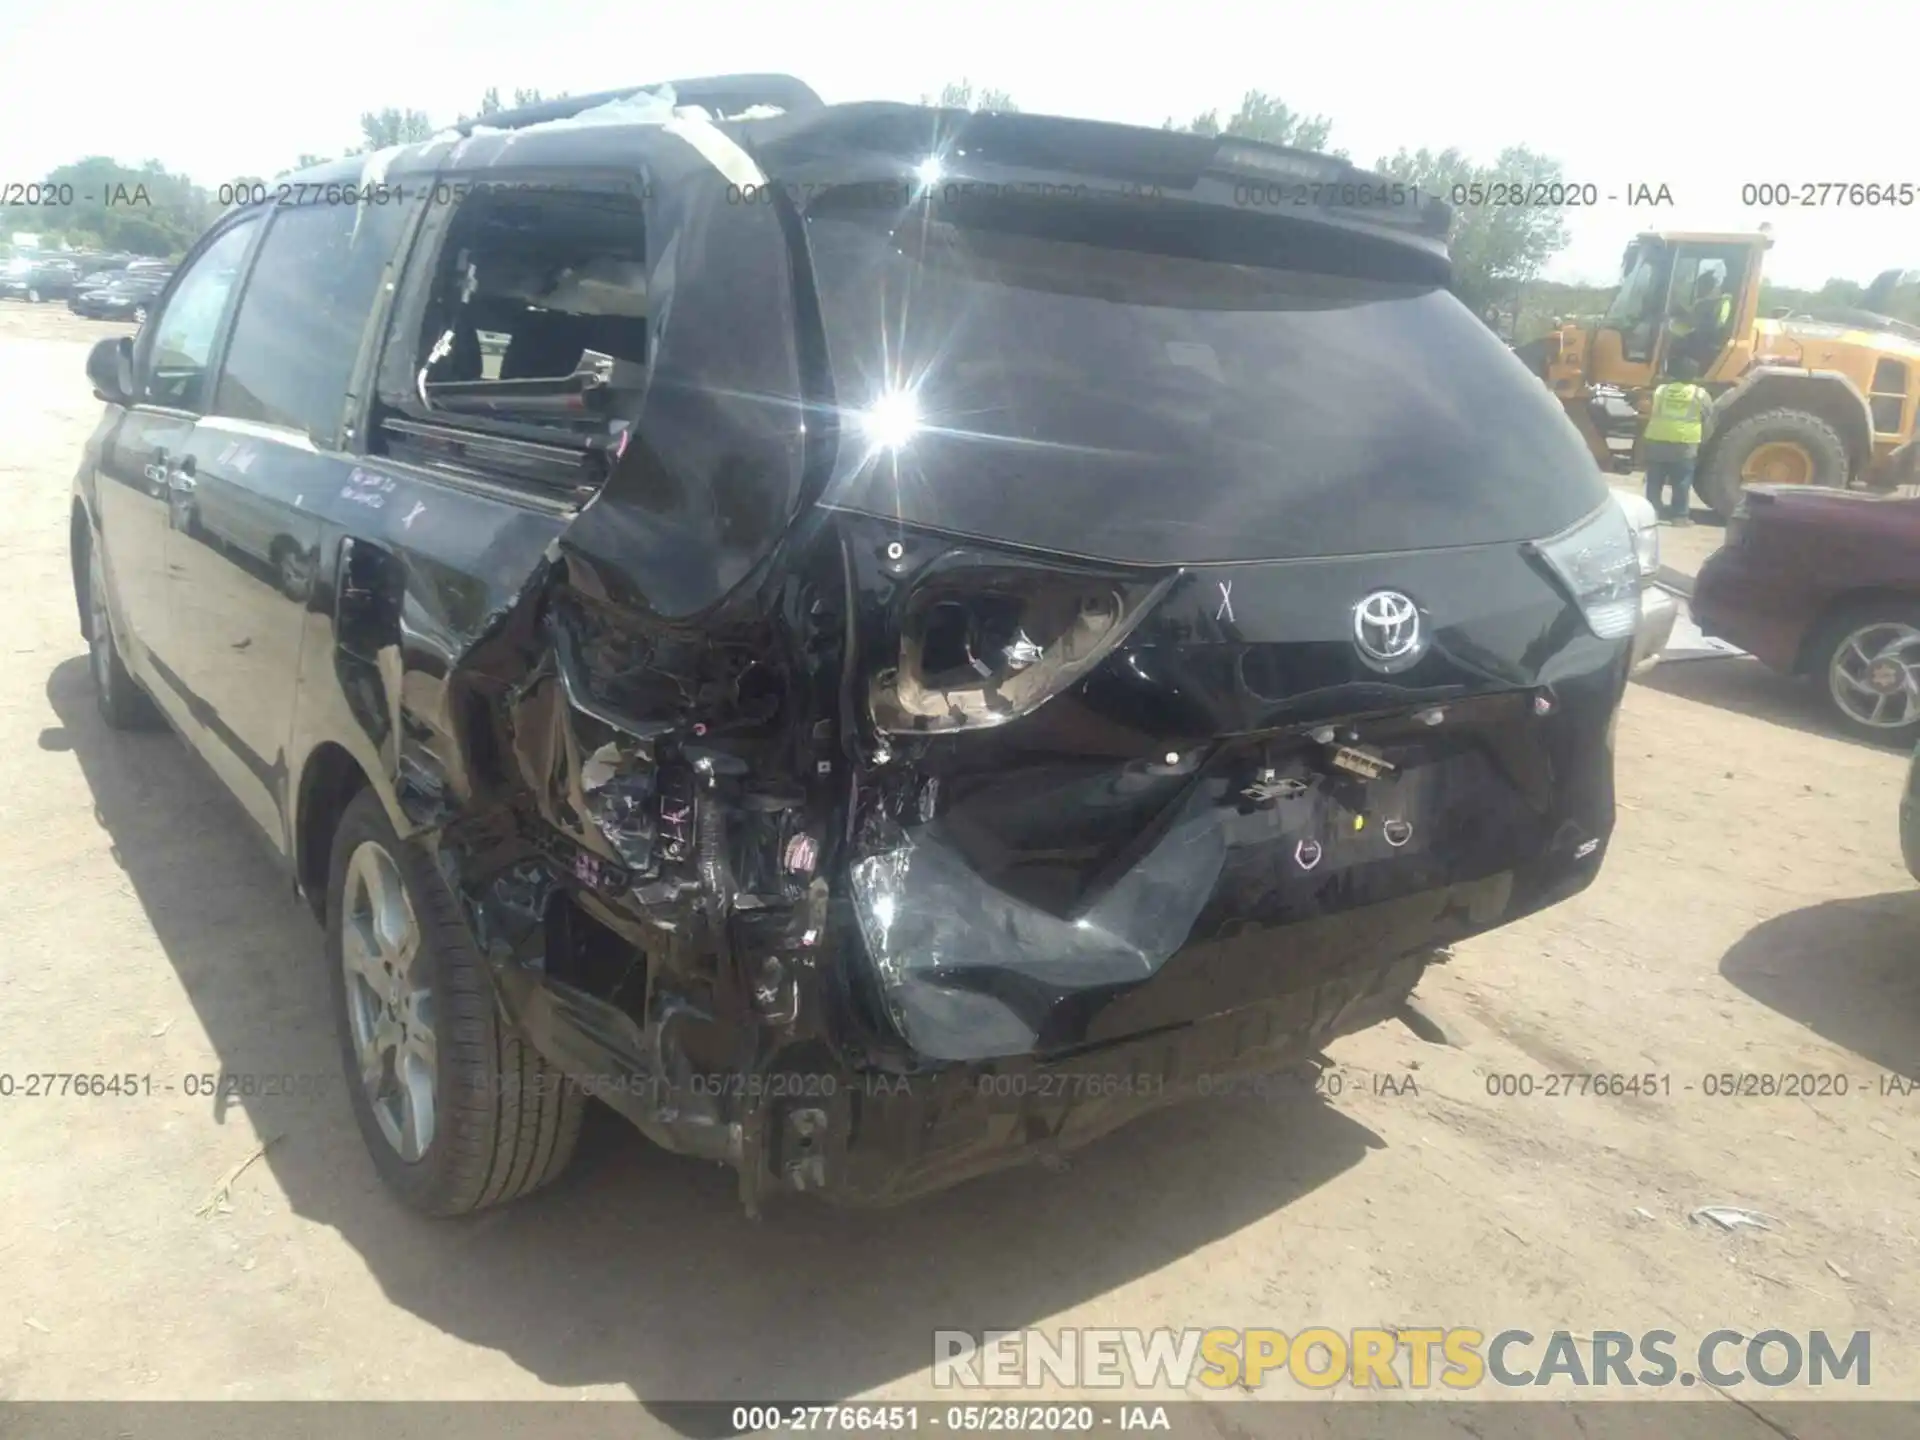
1840	294
380	129
145	208
1496	249
960	95
1263	117
491	103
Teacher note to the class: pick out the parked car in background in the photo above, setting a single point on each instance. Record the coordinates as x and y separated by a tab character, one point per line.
1825	584
38	280
126	298
99	271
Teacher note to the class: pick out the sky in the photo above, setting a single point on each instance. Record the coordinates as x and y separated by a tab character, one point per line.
1703	98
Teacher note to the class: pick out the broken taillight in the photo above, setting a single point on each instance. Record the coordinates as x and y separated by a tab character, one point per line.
982	644
1597	561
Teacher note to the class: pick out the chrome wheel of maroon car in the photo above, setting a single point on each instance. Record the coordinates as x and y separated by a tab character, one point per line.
1874	676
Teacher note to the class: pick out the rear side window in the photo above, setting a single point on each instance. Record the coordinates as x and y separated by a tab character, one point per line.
532	348
1174	408
303	313
533	276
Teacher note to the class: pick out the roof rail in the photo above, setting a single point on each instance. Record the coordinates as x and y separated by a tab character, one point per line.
724	93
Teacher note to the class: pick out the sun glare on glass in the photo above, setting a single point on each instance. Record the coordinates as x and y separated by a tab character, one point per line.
892	420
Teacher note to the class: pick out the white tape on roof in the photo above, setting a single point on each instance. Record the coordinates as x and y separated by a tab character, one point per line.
719	149
373	174
688	122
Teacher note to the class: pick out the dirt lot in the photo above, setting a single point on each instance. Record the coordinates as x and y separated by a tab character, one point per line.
1753	916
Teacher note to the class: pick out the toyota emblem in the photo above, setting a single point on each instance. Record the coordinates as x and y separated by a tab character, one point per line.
1387	631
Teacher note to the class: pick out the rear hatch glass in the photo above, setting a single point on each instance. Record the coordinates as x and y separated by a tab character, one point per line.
1161	408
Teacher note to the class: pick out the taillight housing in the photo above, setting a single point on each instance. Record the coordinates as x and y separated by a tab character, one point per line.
1598	563
1646	549
983	641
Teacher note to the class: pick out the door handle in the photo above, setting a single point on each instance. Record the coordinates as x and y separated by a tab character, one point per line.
180	477
155	469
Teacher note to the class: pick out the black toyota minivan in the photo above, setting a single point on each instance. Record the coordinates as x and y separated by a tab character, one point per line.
877	641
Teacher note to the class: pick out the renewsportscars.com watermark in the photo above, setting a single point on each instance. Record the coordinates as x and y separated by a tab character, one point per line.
1456	1358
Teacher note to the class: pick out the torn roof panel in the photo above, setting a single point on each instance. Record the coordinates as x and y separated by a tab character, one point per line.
643	107
717	94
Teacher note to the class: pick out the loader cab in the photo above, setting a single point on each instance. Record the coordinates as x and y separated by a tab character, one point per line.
1667	309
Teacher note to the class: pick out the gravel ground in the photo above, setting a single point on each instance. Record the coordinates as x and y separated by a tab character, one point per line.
1753	916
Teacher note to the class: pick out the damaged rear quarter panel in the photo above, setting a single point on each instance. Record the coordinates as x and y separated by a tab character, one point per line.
617	730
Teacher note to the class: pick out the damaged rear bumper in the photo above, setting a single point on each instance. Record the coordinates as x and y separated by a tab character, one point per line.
820	1121
1658	611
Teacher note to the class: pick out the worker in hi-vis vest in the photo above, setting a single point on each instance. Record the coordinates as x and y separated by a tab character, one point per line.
1682	415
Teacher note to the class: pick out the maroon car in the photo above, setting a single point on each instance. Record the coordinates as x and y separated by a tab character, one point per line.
1825	583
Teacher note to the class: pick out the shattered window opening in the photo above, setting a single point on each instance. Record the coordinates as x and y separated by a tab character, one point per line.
535	333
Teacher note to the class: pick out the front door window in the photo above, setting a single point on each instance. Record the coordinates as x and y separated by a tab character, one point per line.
174	367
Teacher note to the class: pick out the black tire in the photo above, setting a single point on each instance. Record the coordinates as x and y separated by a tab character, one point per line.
1834	636
123	704
1720	482
290	570
506	1122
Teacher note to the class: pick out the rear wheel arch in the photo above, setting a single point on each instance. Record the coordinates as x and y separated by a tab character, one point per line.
79	550
329	782
1850	605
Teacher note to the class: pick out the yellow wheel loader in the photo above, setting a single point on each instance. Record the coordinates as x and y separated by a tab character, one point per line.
1829	399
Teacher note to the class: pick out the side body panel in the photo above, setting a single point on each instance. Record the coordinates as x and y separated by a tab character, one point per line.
410	572
1803	552
145	457
239	552
130	515
252	499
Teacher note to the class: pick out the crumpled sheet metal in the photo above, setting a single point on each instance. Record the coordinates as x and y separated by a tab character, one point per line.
1687	643
690	123
644	107
966	966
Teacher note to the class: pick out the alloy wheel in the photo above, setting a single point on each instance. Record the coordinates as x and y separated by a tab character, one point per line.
390	1001
1874	676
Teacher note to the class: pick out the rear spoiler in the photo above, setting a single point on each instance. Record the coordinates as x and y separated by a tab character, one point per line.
1335	185
1249	174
